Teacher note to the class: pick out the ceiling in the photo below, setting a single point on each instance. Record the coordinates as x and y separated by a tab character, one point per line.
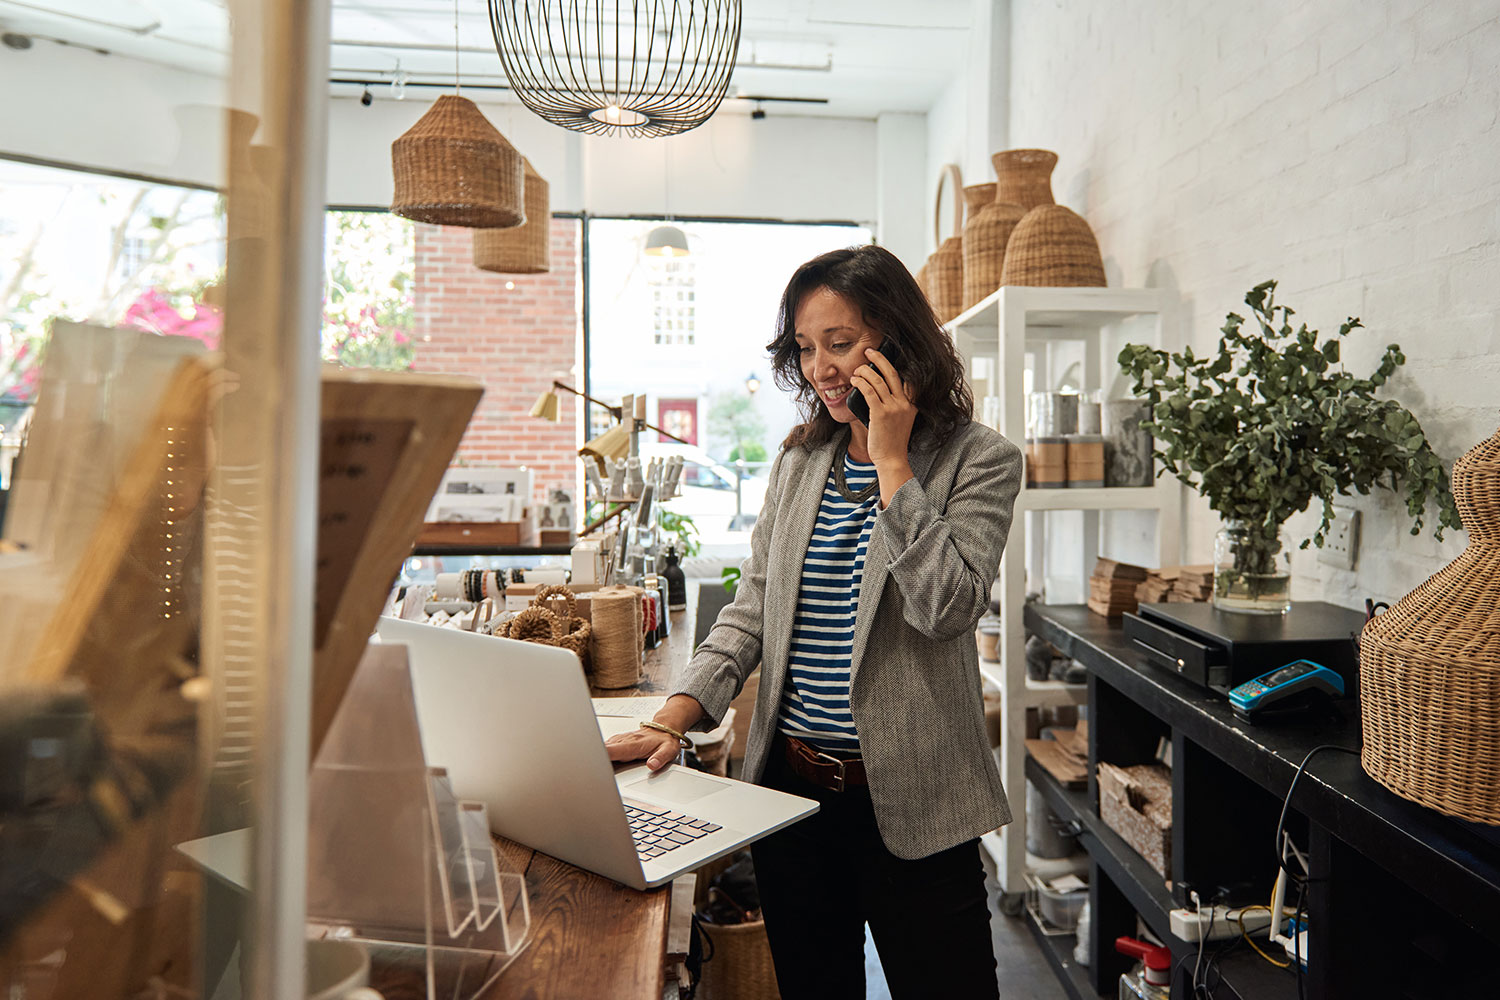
861	57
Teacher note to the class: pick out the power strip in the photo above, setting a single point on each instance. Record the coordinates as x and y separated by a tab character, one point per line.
1190	925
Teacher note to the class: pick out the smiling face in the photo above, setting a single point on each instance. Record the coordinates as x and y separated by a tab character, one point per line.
831	340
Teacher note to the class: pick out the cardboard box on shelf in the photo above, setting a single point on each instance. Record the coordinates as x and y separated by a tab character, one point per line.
1136	803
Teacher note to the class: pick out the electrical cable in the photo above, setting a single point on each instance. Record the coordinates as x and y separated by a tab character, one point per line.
1281	820
1244	933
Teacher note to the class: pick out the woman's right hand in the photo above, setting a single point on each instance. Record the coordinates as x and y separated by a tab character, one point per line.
656	748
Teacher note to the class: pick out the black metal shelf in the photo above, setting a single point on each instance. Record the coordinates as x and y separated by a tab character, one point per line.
1251	976
1454	864
1146	890
1058	949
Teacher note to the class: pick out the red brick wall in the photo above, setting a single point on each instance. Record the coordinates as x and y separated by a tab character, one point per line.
516	341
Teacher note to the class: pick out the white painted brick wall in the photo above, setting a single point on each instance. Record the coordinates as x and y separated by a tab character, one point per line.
1347	148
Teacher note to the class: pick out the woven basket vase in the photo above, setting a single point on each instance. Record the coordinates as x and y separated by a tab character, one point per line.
740	968
1024	176
1052	245
985	235
523	249
945	268
1429	668
453	168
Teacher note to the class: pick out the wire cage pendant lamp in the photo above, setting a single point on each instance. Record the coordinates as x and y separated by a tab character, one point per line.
647	68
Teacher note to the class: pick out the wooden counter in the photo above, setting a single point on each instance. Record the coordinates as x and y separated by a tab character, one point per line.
592	938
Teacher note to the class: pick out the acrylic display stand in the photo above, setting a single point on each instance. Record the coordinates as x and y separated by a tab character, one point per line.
396	861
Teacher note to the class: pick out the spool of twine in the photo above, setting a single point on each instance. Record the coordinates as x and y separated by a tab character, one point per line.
616	642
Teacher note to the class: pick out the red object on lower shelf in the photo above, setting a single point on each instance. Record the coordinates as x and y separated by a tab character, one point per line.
1158	960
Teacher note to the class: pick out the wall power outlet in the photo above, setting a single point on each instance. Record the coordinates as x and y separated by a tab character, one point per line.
1341	544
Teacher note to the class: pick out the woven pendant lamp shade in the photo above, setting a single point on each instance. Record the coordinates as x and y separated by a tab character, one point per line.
453	168
1052	245
1025	176
1429	668
523	249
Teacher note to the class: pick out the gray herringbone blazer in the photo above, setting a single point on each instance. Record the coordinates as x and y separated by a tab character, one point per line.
915	687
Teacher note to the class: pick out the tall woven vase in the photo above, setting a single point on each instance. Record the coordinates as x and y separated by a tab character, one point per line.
1024	177
986	233
945	268
1429	668
1050	245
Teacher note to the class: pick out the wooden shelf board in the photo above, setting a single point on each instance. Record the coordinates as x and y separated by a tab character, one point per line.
1095	498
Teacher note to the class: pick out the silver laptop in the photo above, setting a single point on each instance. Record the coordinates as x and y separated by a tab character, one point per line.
513	725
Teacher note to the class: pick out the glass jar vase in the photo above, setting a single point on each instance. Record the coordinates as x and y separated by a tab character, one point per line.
1252	569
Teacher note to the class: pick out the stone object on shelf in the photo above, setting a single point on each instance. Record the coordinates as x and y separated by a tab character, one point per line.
1136	803
1044	834
1127	447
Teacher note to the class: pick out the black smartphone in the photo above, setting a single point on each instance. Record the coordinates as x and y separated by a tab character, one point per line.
858	405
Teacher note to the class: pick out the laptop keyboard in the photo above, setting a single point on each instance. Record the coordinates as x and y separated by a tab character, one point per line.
657	830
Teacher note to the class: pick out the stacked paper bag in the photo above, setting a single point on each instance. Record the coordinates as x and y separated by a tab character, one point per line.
1178	584
1112	588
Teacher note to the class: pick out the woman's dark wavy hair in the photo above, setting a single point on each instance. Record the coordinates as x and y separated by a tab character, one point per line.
887	297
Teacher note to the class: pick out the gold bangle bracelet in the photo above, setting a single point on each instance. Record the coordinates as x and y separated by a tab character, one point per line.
682	741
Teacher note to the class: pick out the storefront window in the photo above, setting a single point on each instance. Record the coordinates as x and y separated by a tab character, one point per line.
691	332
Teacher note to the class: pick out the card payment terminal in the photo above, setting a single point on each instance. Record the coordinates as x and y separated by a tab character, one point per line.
1296	684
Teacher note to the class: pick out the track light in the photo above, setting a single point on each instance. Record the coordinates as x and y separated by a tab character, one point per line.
759	113
367	98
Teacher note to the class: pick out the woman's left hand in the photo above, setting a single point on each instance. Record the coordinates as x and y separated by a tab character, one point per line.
892	413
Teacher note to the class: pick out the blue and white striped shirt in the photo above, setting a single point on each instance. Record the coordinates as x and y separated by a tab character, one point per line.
815	701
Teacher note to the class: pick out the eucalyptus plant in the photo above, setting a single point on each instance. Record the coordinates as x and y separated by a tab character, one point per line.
1273	420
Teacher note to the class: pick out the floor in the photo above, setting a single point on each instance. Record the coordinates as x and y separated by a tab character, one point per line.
1022	970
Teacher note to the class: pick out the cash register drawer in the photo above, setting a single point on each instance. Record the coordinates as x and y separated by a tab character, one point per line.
1202	663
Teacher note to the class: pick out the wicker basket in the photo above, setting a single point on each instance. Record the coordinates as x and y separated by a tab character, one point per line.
986	233
523	249
945	268
1025	176
453	168
551	620
741	967
1052	245
1429	668
946	274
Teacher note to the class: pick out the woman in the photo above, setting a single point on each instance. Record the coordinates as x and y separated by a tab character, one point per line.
869	567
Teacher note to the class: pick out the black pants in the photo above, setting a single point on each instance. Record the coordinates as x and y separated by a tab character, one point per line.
823	878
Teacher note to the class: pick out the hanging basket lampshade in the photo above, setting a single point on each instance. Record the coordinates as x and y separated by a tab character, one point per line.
523	249
650	68
453	168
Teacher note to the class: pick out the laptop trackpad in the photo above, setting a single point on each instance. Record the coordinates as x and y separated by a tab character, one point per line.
678	786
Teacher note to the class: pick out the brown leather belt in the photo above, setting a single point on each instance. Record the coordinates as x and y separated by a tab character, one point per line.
821	769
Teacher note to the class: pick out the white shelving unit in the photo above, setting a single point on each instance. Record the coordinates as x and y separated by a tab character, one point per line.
1006	328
